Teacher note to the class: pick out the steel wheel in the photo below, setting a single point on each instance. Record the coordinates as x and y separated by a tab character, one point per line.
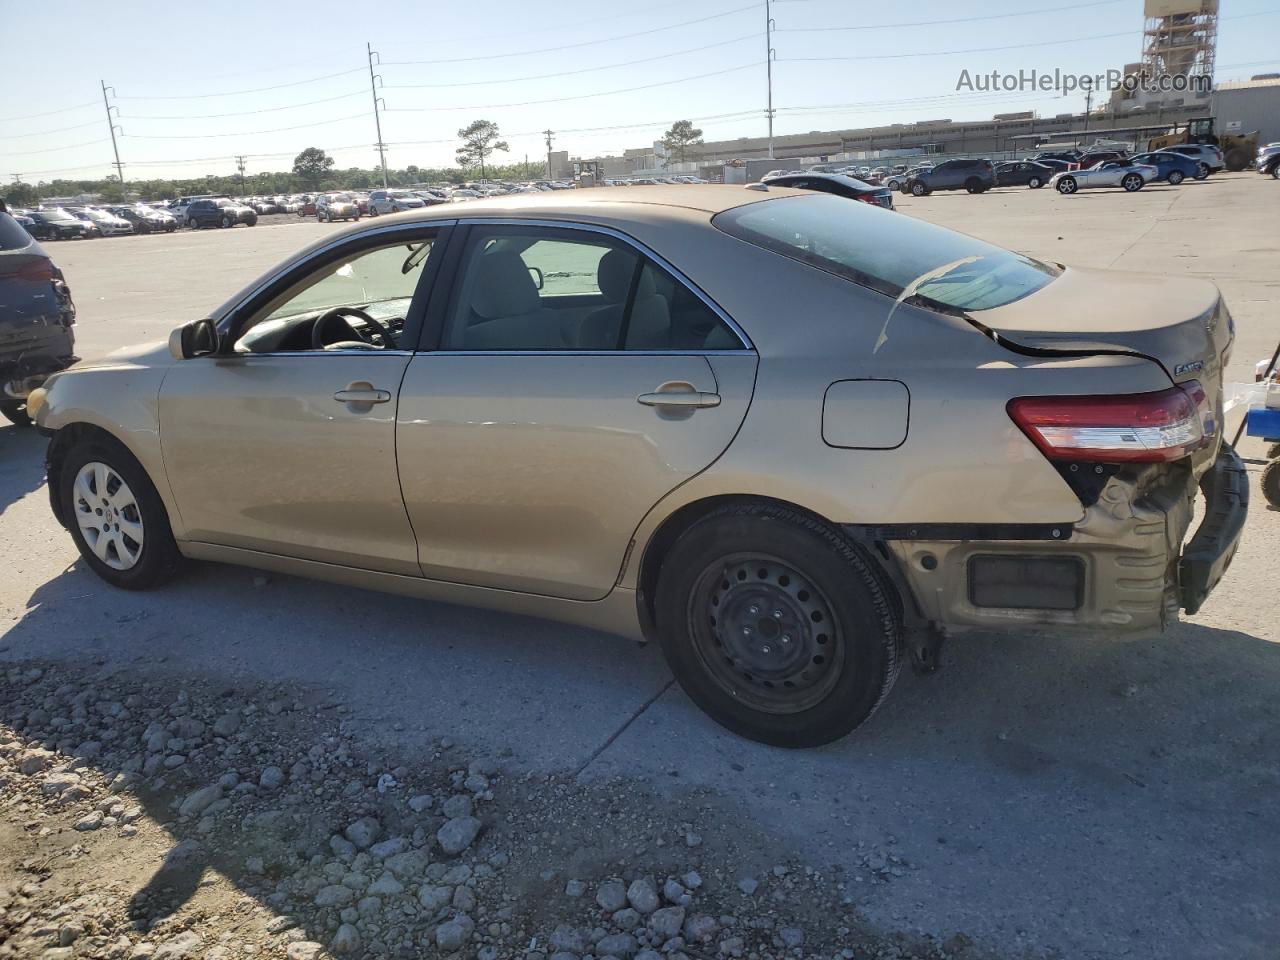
765	633
108	515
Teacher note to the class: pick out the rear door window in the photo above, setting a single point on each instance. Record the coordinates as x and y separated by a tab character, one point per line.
12	236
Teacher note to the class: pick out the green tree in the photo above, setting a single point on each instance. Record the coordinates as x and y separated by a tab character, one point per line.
479	141
682	135
19	194
311	165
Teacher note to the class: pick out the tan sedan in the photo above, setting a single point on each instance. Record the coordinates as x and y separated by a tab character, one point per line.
793	437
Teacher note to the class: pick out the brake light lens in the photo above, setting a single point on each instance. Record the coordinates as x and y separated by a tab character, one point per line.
35	270
1130	428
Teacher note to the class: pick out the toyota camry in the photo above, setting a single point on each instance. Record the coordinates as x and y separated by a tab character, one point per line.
794	438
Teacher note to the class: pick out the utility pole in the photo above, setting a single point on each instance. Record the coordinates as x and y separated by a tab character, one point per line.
768	67
549	134
1088	106
111	124
374	80
240	167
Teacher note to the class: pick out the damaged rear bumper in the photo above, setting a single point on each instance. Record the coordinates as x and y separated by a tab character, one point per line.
1122	566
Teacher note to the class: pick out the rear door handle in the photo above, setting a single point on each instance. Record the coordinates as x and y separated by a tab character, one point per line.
362	392
681	395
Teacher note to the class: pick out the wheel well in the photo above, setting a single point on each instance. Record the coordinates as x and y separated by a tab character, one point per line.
66	438
675	526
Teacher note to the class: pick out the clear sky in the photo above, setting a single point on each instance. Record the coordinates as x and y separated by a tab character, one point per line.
198	83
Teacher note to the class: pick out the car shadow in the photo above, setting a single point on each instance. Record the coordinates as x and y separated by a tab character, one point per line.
21	463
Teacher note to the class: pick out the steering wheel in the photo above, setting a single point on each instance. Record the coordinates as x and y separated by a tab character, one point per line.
361	341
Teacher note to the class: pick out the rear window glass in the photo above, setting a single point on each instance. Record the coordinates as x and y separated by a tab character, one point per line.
12	236
891	253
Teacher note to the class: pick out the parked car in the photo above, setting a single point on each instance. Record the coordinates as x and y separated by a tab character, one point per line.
264	206
976	176
1092	158
1207	155
36	316
107	222
1054	164
1173	167
392	201
1268	159
785	507
58	224
336	206
1023	173
1125	174
219	213
178	208
840	185
1065	156
146	220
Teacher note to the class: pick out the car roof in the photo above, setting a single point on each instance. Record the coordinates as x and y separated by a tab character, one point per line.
603	203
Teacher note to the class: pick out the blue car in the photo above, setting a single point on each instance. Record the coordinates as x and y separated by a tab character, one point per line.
1173	167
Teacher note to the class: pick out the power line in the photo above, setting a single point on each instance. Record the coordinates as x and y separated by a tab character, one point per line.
934	23
42	133
570	73
581	96
236	93
68	146
578	45
245	113
947	53
49	113
244	133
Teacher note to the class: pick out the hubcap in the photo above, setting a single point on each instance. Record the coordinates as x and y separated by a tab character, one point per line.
108	516
765	633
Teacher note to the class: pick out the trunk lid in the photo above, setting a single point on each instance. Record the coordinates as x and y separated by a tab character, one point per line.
1180	323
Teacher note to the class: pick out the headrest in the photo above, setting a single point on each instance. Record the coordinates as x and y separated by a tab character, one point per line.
614	275
502	286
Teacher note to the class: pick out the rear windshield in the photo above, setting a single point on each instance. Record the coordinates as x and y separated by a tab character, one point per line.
12	236
891	253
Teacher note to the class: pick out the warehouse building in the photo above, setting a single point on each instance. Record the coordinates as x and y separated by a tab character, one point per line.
1248	105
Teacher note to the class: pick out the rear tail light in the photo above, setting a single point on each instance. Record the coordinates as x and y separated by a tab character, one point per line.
35	270
1136	427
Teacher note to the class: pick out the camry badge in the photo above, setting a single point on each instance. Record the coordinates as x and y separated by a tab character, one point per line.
1195	366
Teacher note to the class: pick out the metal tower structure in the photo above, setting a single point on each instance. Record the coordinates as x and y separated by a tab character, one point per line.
1179	38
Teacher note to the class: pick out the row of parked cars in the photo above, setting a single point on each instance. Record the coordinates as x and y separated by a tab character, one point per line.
1065	171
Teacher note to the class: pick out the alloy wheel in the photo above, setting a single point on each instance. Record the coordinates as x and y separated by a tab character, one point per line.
1132	182
108	515
765	633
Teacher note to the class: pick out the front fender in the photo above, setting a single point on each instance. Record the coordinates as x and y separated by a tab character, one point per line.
120	397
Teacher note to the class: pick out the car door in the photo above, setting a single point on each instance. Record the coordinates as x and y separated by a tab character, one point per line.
570	383
282	446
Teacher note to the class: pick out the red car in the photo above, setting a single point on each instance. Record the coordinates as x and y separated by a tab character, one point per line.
307	207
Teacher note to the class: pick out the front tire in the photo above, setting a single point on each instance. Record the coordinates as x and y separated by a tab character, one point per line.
776	626
1271	483
918	189
1067	186
116	517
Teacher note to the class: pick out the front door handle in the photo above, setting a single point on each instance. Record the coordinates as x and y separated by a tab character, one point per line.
684	399
362	392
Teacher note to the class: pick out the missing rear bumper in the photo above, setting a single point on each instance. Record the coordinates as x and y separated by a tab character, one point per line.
1211	550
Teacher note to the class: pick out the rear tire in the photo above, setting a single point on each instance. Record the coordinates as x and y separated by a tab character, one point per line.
158	559
15	411
1176	177
1202	171
973	185
1035	183
776	626
1132	183
1271	483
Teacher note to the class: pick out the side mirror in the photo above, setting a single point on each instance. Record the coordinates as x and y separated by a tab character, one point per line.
536	273
199	338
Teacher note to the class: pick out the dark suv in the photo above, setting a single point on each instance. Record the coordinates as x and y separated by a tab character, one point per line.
976	176
36	314
219	213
